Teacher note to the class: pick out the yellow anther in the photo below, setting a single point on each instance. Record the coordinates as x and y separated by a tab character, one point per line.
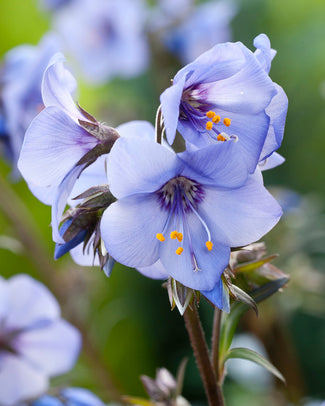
173	235
179	250
221	138
209	125
210	114
209	245
160	237
227	122
179	237
216	119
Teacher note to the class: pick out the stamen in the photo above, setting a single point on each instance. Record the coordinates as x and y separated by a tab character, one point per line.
179	237
223	137
209	125
173	235
209	245
210	114
160	237
216	119
227	121
179	250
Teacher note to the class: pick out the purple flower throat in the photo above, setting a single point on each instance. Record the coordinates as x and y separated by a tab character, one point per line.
195	108
181	196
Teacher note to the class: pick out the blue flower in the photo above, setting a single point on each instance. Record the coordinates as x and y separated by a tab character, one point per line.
205	25
57	142
35	343
225	94
21	98
185	209
71	397
105	37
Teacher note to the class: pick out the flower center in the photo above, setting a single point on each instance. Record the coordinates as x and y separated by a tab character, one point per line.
181	196
195	108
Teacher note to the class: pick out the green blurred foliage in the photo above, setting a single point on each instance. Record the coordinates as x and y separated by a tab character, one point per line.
127	316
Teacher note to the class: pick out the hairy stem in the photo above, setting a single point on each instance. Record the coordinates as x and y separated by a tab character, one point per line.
29	235
200	349
215	343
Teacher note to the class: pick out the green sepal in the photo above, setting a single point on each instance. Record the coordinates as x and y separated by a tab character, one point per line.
132	400
251	266
250	355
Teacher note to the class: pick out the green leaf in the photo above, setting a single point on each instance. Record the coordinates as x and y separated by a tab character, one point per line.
230	321
250	355
180	377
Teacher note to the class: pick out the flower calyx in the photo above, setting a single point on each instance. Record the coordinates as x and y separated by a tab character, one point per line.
181	296
105	135
82	224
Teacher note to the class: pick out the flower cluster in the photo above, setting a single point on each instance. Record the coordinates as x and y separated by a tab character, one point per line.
168	214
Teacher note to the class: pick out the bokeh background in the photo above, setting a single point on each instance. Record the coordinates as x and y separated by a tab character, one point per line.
126	320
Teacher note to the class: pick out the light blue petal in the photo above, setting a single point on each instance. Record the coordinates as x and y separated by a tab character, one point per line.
137	128
137	165
248	92
211	264
129	227
240	216
4	299
52	349
219	296
220	164
170	101
277	111
19	380
93	175
30	302
155	271
45	194
80	397
47	401
218	63
57	86
271	162
62	194
264	53
53	144
83	258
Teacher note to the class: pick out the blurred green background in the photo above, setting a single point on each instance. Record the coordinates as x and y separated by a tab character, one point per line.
129	328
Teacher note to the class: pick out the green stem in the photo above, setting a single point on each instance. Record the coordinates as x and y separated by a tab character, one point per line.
200	349
31	238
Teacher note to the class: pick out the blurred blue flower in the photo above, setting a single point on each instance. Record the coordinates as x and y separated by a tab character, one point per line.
56	141
52	5
105	37
21	99
70	397
201	28
35	343
226	89
185	209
